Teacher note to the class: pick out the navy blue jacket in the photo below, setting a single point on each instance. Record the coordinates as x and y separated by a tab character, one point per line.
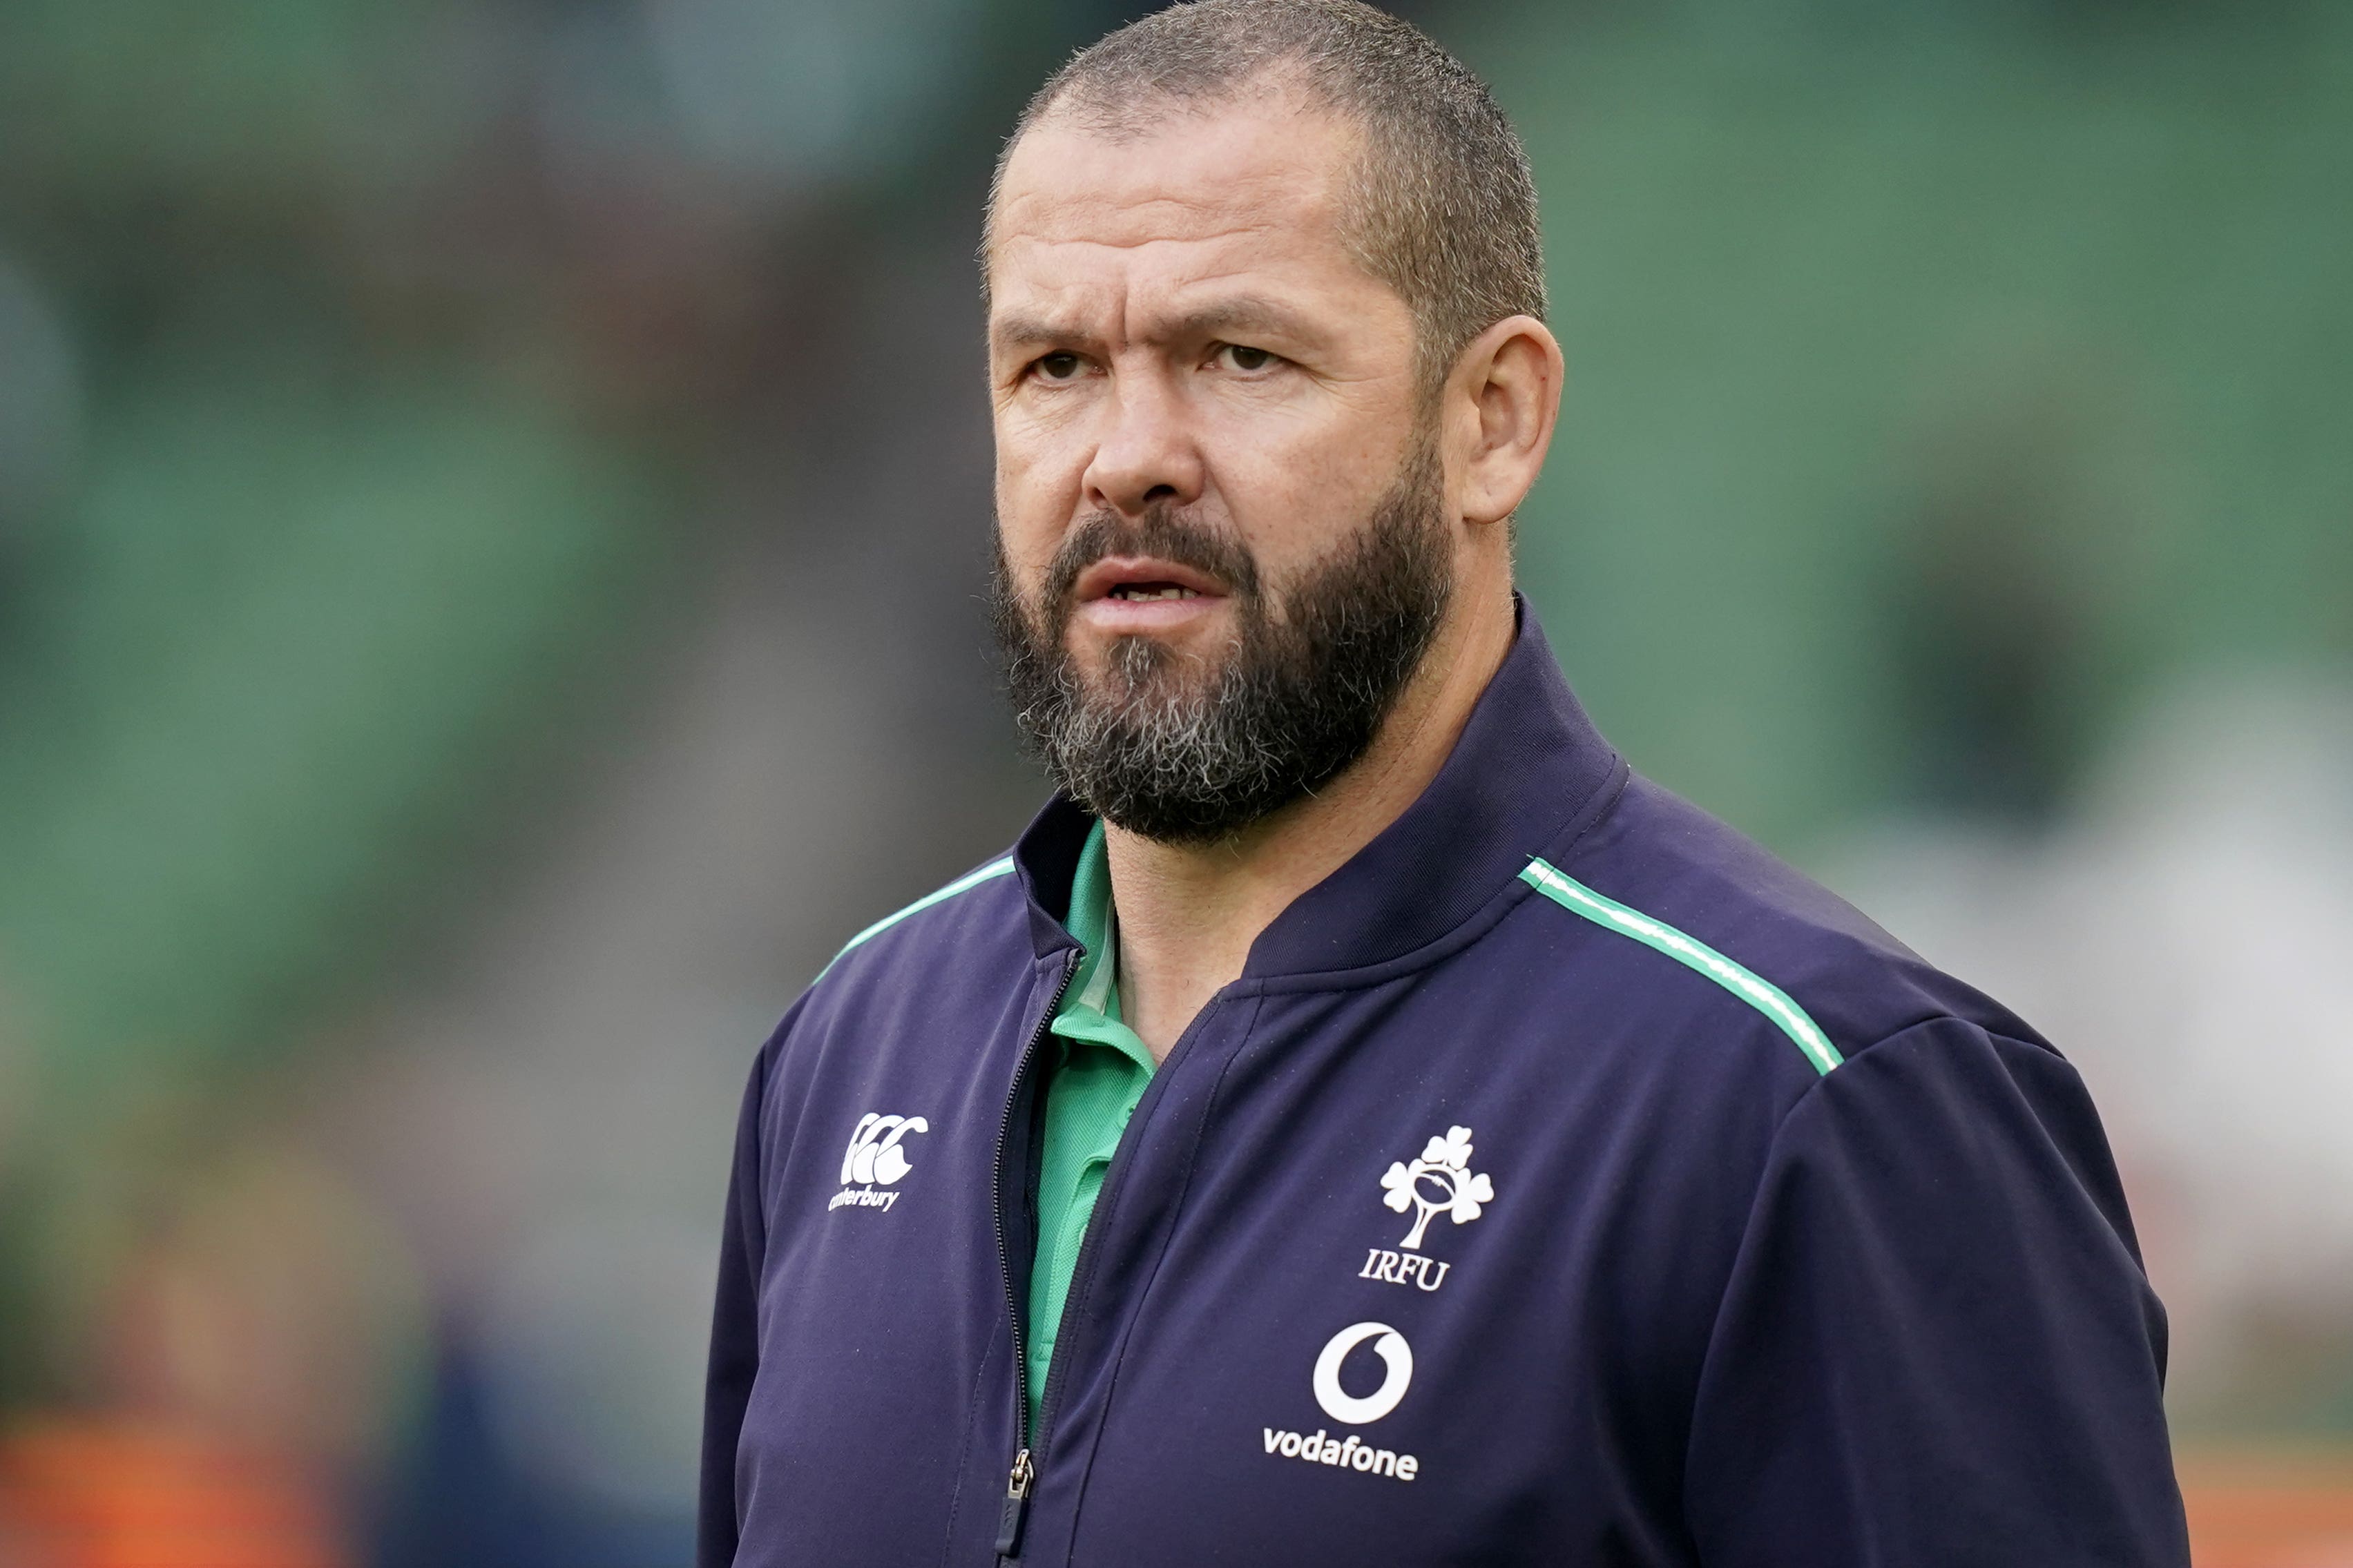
1565	1181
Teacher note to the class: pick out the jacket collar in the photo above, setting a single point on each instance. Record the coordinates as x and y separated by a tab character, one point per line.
1527	762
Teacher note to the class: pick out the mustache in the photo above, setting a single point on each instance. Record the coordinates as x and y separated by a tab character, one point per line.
1162	530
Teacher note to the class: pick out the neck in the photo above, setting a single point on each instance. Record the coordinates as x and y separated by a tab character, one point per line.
1188	914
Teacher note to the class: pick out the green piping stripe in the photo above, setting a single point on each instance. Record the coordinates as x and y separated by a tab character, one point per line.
963	884
1758	992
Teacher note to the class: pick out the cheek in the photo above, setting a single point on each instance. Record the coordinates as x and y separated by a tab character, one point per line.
1036	495
1296	493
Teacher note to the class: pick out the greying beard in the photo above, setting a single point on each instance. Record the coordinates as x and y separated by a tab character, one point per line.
1177	753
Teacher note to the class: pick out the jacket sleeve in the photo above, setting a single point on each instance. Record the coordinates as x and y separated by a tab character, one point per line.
734	1328
1936	1348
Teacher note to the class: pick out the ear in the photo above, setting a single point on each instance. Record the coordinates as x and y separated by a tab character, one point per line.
1501	402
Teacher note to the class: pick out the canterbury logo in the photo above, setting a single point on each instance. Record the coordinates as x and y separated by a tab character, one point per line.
874	1157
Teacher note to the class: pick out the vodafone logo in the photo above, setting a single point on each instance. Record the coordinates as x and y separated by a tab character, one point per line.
1354	1453
1395	1355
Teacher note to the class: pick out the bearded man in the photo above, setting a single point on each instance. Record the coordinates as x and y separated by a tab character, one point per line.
1360	1122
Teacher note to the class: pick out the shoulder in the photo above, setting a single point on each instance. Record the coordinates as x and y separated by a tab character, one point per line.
970	931
914	996
1731	929
981	898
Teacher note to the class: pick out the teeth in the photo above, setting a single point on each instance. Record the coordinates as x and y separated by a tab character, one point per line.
1144	594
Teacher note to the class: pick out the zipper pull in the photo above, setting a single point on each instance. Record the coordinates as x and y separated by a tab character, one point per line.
1016	1505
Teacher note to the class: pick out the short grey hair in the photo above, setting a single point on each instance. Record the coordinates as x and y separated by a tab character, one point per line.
1443	208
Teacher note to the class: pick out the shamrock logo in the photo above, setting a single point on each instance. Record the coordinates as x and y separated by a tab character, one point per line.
1444	1167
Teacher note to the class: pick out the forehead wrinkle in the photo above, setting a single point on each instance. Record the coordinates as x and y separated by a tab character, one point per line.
1111	250
1061	266
1092	217
1159	313
1035	327
1031	308
1290	180
1080	242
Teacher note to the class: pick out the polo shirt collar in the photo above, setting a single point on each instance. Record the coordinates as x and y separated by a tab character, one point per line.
1090	1010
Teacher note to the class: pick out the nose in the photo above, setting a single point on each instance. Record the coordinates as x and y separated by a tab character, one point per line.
1146	453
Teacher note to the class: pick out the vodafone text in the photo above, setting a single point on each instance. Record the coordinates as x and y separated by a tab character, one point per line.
1351	1455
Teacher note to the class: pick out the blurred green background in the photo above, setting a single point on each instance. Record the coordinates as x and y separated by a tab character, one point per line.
494	503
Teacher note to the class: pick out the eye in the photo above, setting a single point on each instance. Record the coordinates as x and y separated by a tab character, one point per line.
1244	358
1061	365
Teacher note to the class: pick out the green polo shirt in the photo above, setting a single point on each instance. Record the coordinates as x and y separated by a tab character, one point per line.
1098	1071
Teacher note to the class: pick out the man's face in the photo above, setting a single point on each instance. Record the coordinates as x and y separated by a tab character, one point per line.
1221	528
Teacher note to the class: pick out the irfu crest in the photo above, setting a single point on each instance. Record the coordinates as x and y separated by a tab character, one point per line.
1441	1182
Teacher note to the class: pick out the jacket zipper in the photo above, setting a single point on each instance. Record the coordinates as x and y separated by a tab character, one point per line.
1024	1472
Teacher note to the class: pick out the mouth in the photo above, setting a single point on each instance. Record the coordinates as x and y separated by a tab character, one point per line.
1144	580
1124	594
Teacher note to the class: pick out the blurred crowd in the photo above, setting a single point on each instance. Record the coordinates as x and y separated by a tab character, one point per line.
493	511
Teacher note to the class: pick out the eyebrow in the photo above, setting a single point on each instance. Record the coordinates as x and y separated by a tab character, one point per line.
1245	314
1030	331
